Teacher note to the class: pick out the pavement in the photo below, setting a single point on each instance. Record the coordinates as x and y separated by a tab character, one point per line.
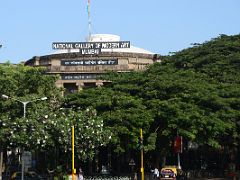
209	179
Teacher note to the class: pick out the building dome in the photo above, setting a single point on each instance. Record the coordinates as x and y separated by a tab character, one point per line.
103	37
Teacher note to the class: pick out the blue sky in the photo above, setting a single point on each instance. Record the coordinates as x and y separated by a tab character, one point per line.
28	27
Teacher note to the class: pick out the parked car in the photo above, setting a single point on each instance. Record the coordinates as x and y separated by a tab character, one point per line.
168	173
30	175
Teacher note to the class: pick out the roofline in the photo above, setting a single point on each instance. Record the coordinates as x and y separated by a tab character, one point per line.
103	54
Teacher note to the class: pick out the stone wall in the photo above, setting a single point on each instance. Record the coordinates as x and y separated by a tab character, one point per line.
126	62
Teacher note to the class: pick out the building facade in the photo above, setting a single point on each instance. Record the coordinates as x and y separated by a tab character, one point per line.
78	71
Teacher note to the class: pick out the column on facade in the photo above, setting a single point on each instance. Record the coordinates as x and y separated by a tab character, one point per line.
99	83
80	85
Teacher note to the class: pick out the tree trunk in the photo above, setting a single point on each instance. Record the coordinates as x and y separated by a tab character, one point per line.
158	160
90	169
1	162
118	161
163	160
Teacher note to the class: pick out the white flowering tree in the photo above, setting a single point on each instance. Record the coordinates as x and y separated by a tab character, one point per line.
90	132
53	129
25	84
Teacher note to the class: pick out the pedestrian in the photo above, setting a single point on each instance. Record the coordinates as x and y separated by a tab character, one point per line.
155	173
80	174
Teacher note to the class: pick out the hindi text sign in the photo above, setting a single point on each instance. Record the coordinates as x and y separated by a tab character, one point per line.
89	62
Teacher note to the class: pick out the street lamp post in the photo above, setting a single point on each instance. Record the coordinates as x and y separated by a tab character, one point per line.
24	103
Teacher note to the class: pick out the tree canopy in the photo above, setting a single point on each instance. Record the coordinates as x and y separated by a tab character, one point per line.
194	93
23	84
46	125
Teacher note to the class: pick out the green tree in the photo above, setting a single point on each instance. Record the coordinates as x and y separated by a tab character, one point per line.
25	84
123	114
194	92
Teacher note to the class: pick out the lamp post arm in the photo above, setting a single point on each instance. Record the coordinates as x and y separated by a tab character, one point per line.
38	99
24	102
8	97
15	99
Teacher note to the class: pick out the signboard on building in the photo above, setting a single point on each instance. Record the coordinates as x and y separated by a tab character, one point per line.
89	62
89	51
79	76
91	45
